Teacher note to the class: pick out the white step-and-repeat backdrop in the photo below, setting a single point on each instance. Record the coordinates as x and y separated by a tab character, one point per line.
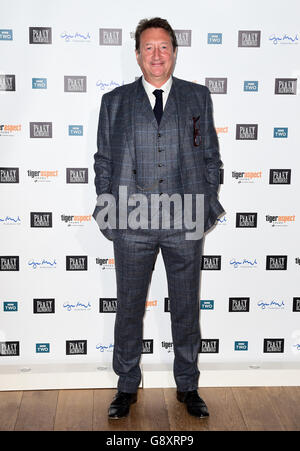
57	278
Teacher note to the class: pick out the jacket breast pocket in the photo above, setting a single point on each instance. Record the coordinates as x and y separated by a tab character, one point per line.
195	131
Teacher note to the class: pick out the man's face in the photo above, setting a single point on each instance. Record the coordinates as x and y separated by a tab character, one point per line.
156	57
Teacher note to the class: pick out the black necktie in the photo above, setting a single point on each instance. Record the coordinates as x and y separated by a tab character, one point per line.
158	108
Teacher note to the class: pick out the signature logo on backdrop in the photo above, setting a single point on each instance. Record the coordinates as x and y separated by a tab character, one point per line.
108	85
10	220
284	39
272	305
76	37
34	264
244	263
77	306
105	348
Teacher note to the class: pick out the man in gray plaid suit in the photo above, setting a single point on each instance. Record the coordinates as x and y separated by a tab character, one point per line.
156	137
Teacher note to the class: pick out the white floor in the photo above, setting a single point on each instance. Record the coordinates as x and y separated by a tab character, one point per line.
79	376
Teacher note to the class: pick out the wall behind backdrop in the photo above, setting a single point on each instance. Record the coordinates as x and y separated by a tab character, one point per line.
57	278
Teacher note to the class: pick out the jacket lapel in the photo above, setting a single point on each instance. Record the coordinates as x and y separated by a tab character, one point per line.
138	104
129	129
143	106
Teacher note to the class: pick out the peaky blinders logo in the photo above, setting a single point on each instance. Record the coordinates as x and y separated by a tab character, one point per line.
211	262
7	82
110	36
167	305
76	347
43	220
246	131
280	177
216	85
76	263
43	305
40	129
77	175
276	262
239	304
73	83
9	263
9	175
246	220
183	37
209	346
9	348
273	345
249	38
40	35
107	305
286	86
147	347
296	304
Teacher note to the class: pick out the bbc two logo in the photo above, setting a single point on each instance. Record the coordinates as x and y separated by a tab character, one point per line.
6	35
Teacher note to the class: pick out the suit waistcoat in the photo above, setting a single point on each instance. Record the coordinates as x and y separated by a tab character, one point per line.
157	147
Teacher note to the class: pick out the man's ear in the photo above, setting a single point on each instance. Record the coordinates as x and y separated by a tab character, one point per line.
137	54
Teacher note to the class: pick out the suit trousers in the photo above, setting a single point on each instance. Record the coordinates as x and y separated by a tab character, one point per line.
135	255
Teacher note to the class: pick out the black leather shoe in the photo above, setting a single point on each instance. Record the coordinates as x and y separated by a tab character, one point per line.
195	405
120	405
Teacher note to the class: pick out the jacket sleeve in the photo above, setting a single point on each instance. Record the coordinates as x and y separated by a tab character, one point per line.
211	149
102	158
212	163
103	164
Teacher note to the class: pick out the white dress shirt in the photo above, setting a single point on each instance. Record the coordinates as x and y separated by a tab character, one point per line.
166	87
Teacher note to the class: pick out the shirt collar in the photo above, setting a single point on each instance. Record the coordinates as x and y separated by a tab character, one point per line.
150	88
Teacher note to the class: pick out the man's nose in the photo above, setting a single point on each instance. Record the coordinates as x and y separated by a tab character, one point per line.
156	52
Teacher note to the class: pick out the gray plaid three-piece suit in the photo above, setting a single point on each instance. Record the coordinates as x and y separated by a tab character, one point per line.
133	151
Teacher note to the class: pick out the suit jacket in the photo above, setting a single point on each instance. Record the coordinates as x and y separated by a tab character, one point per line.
115	160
